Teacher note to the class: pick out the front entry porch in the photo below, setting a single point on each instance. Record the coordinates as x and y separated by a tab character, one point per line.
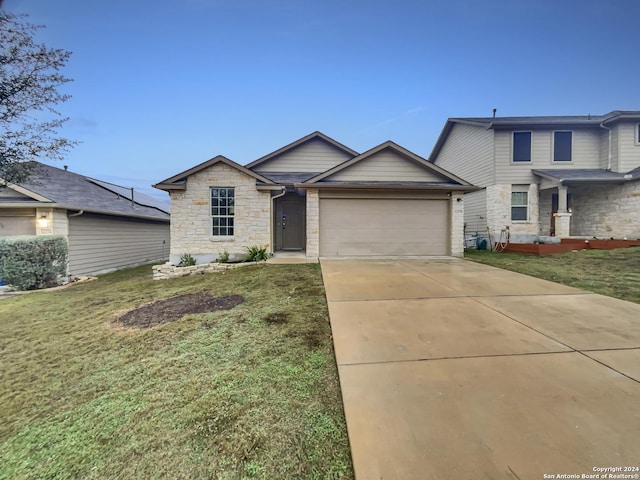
555	210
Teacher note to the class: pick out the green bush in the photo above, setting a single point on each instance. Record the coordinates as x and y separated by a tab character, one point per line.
223	257
30	263
186	260
256	254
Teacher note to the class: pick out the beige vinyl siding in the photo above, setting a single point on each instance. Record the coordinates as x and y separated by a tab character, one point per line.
586	152
586	148
17	221
99	243
615	149
604	148
313	156
628	150
475	212
468	153
520	172
383	227
386	166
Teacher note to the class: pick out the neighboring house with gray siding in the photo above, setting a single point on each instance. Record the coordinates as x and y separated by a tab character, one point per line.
547	176
107	226
319	197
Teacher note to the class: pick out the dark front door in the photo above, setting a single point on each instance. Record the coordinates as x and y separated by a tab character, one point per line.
290	222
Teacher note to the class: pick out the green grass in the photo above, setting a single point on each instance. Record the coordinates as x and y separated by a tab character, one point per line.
223	395
615	273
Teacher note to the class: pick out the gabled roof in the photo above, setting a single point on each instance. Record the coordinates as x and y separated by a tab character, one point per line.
449	180
561	121
297	143
53	187
179	181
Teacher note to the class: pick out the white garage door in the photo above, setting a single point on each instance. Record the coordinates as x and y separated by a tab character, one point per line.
383	227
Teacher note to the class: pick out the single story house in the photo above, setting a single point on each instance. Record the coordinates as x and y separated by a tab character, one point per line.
320	197
107	226
547	176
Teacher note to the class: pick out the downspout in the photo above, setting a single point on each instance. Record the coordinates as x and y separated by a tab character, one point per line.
77	214
609	159
273	240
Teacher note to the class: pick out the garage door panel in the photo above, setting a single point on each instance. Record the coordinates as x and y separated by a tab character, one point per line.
395	227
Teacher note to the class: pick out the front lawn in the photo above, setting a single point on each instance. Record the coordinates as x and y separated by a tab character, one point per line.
245	393
615	273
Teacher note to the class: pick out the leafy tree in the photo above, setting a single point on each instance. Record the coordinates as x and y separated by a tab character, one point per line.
29	81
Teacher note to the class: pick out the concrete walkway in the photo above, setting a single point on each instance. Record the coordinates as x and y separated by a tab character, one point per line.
455	370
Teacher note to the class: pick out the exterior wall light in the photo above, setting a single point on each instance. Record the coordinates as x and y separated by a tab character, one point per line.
43	221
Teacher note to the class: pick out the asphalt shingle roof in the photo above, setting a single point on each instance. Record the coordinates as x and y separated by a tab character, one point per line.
289	177
71	190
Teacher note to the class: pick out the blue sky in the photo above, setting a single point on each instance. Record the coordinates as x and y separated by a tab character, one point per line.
161	86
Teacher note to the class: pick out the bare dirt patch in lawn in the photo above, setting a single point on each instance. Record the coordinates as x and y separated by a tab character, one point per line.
174	308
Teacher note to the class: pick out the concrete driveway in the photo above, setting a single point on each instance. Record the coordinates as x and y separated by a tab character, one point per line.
456	370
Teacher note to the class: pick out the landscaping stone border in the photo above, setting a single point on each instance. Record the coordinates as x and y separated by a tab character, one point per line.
169	270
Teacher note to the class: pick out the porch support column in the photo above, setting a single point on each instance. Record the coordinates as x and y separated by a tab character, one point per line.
563	216
562	199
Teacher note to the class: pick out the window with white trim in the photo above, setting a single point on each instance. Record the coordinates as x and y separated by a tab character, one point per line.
638	134
520	203
222	211
562	146
521	147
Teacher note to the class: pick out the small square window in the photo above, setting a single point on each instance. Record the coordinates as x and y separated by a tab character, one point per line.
562	144
521	146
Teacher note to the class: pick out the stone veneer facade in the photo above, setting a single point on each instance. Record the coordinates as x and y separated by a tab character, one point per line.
606	211
191	216
313	223
456	224
499	214
57	222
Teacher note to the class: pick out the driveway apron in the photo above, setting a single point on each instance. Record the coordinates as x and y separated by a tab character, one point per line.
455	370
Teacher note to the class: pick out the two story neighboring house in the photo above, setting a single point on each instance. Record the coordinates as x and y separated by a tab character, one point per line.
547	176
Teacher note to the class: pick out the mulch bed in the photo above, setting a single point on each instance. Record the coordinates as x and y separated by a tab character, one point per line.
174	308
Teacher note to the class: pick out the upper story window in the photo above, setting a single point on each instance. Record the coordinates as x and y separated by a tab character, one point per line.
638	134
222	211
562	146
521	146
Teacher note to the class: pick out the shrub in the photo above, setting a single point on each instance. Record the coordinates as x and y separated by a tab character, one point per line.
187	260
30	263
223	257
256	253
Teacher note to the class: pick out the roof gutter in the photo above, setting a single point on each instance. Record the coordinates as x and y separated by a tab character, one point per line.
109	212
445	187
82	211
609	158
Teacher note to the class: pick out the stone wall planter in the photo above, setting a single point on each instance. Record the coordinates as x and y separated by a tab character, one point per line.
169	270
